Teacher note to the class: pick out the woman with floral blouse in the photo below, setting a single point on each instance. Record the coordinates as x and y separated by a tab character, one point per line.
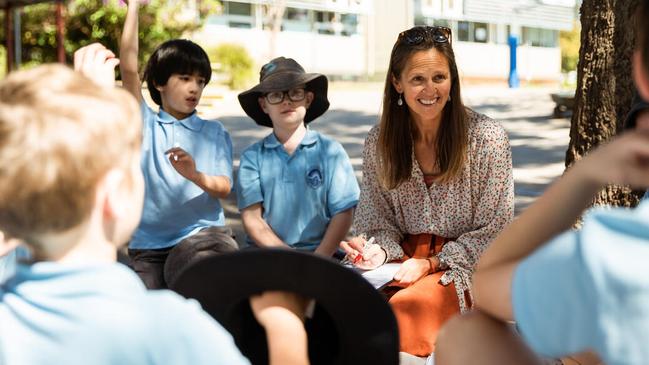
437	188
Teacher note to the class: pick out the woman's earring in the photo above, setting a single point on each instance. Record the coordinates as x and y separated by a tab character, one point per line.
399	101
449	97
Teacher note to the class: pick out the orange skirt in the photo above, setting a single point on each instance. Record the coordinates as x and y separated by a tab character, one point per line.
422	308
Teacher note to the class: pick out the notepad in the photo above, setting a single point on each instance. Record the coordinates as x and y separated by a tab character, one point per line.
379	277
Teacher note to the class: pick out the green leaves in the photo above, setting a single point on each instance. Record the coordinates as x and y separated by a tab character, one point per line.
88	21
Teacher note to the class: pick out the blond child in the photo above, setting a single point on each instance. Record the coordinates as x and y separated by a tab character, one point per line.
72	191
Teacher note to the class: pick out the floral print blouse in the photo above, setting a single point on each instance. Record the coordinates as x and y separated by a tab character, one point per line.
472	208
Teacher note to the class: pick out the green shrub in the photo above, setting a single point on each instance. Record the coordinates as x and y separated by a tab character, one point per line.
235	63
569	44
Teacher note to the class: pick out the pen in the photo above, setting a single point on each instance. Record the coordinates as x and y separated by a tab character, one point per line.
366	246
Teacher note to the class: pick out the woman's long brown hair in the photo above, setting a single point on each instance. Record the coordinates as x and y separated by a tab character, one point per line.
395	143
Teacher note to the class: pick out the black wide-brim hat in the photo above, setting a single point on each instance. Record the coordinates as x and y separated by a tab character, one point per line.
352	322
282	74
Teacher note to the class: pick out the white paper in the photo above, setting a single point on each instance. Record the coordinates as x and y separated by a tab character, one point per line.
380	276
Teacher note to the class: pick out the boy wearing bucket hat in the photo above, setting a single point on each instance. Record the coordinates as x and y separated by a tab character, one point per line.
296	187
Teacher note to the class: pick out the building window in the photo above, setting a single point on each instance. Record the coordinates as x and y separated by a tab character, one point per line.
471	32
350	24
463	33
538	37
235	8
296	20
480	32
327	23
235	15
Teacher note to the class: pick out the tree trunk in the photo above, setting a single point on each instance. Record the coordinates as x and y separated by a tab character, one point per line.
276	11
604	84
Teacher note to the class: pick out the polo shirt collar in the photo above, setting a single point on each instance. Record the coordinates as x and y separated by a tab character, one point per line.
310	138
192	122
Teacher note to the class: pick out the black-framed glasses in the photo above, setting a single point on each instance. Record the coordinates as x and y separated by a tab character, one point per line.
416	35
276	97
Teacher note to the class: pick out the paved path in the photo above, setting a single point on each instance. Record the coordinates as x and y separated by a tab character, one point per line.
538	141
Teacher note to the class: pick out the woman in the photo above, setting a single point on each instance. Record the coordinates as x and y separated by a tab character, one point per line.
437	187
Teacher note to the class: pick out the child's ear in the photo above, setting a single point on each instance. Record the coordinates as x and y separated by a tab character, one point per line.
309	98
110	191
262	104
640	75
396	84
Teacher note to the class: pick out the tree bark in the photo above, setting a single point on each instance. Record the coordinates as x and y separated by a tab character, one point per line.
276	11
604	84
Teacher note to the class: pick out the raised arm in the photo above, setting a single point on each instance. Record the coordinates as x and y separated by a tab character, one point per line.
624	161
128	52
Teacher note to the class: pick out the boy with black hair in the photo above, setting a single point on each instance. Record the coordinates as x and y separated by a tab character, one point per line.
296	188
568	290
187	161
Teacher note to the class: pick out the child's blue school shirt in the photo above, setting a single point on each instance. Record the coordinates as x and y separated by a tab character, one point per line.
53	313
299	193
589	289
174	207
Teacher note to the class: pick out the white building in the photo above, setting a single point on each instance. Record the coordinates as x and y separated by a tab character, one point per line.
353	38
326	36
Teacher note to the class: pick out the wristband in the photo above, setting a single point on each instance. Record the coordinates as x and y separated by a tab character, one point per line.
386	255
431	270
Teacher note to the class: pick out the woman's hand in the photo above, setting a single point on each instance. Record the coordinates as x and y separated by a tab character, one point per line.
366	258
411	271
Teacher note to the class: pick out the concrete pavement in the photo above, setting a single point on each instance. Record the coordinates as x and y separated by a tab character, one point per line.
538	141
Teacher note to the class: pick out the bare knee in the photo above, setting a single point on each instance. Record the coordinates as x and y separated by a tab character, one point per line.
476	338
452	340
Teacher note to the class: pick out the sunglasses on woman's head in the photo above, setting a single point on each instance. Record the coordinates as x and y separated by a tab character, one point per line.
417	35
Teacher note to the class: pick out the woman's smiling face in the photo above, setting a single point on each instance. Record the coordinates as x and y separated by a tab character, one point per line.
425	83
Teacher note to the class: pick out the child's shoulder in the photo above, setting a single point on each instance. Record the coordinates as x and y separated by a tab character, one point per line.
325	140
214	124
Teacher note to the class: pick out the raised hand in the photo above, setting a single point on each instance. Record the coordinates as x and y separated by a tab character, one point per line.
97	63
623	161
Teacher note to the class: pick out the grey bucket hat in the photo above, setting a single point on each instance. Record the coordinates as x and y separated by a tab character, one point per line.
283	74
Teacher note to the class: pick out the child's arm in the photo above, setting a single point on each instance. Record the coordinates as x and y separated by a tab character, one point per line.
216	186
336	232
624	161
258	229
128	51
281	315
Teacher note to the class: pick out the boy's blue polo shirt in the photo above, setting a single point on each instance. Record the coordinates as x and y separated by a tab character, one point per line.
174	207
299	193
54	313
588	289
